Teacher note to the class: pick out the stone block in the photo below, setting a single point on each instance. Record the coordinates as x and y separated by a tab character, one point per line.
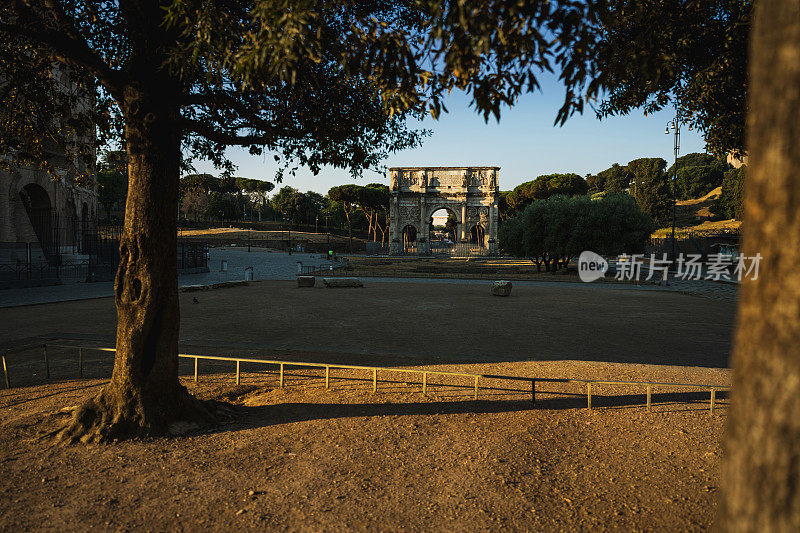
306	281
501	288
332	283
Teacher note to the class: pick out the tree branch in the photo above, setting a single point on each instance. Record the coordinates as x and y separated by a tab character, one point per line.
67	45
224	137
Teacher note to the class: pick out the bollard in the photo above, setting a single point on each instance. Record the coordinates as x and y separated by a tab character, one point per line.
533	391
80	362
195	369
327	377
46	363
237	372
281	375
5	373
424	383
648	397
588	395
374	380
476	387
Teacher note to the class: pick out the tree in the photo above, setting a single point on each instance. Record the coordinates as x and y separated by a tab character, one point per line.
761	469
257	191
543	187
614	179
374	200
698	174
503	208
348	197
288	203
651	188
729	204
554	230
112	189
451	225
195	203
173	74
647	54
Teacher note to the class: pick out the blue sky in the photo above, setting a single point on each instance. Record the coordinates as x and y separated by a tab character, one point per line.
524	144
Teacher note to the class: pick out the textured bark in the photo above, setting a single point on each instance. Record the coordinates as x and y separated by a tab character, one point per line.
144	396
761	476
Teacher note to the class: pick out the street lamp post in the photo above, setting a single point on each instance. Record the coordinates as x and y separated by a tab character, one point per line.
675	126
289	229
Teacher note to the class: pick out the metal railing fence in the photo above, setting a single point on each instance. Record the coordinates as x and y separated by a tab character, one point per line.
423	374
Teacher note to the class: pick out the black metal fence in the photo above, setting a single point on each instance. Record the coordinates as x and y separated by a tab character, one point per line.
693	243
71	249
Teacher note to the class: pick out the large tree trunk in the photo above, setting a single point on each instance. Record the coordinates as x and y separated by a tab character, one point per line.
144	396
761	477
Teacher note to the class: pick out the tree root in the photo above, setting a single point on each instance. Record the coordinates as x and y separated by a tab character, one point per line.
112	416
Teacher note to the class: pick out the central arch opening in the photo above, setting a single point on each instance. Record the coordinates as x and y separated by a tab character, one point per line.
443	226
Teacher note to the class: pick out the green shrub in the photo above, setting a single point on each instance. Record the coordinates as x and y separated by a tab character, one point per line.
554	230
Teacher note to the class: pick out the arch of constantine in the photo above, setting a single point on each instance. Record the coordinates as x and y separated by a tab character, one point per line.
468	193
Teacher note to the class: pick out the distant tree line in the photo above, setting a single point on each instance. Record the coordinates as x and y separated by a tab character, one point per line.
647	179
206	198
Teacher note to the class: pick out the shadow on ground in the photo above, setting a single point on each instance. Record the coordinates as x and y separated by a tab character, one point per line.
251	417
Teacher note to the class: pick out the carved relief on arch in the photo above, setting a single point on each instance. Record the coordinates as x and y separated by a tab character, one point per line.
409	212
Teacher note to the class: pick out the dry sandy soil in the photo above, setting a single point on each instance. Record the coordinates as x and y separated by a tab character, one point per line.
696	215
306	458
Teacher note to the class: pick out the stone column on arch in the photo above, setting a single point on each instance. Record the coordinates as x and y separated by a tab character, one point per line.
423	237
464	221
395	229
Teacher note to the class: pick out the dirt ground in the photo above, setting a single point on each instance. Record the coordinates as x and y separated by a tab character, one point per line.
485	268
310	459
418	323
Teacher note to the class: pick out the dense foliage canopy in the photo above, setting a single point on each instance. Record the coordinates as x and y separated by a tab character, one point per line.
551	232
648	54
652	189
698	174
730	204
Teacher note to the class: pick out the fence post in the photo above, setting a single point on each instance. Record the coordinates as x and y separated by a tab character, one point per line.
80	362
588	395
327	377
476	387
237	372
424	383
281	379
46	362
648	397
195	369
5	373
713	397
374	380
533	391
